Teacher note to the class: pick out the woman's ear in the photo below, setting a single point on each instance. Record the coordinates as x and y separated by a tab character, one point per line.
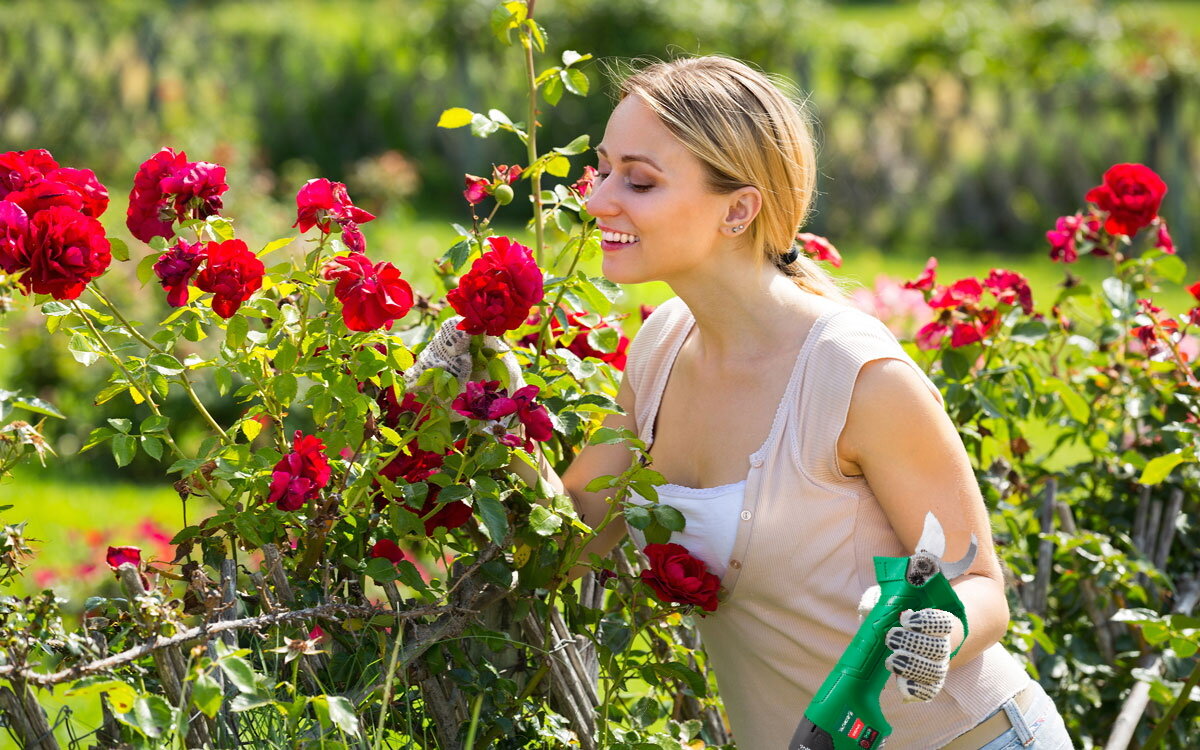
744	205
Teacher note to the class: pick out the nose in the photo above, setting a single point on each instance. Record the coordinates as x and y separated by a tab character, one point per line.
599	201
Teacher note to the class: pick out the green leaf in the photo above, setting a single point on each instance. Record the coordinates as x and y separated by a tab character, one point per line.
154	423
558	166
98	436
381	569
543	521
1075	404
235	331
577	146
956	364
1183	647
164	364
55	309
553	90
458	254
120	251
1120	296
576	81
607	436
206	695
570	57
1029	331
482	126
638	516
1172	268
152	446
670	518
145	267
341	712
152	715
495	517
82	350
240	673
124	448
680	671
274	245
223	380
285	387
37	406
455	117
120	425
1159	468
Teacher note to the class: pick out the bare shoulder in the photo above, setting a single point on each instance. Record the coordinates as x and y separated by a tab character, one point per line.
891	408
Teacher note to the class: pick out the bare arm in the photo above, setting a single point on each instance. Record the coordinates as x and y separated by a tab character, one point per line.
914	460
593	461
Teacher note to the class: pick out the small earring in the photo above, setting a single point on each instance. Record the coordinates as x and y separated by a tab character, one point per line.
739	228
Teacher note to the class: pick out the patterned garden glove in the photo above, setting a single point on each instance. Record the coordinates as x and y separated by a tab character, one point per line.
450	350
920	648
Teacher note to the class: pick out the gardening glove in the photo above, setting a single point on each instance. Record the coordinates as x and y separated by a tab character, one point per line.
920	648
450	350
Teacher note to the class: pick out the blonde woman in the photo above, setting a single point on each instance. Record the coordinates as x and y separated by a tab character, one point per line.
797	437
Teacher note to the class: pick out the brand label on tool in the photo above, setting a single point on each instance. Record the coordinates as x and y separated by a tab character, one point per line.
856	729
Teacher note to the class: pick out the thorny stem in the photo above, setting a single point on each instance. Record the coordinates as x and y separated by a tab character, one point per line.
1168	719
145	395
531	142
183	377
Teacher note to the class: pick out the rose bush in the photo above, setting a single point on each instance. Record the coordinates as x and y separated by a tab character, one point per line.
394	516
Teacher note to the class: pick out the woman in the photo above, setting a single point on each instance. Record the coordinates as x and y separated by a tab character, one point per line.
798	438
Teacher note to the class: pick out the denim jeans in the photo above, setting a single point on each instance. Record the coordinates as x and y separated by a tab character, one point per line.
1039	728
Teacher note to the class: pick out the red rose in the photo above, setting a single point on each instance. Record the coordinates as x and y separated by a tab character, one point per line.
322	203
477	189
175	269
1131	194
926	279
388	550
117	556
496	294
418	467
820	248
150	215
1164	241
930	335
14	237
232	274
533	416
962	292
506	174
300	475
64	250
678	577
372	296
391	410
19	169
583	186
197	188
1010	288
484	399
74	188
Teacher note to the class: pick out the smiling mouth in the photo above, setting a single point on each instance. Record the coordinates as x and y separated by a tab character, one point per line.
618	238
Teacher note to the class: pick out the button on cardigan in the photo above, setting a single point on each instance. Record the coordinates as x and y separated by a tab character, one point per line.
804	556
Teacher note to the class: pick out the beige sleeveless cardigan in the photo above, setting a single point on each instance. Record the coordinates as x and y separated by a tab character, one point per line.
805	542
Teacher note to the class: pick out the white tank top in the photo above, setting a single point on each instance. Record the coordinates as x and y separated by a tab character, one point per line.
711	516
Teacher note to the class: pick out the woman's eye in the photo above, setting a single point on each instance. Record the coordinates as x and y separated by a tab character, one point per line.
640	188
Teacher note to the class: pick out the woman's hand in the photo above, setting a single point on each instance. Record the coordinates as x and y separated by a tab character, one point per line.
921	647
450	350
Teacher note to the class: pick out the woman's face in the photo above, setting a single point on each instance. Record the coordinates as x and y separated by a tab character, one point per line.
651	201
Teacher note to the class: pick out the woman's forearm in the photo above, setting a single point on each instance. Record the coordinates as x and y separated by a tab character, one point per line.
987	614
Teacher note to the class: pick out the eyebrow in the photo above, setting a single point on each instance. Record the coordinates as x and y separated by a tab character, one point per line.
631	157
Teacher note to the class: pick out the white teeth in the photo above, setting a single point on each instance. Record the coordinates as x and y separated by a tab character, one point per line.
618	237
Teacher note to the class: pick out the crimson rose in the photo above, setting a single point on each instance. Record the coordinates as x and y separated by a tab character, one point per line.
300	475
496	294
149	214
372	296
14	236
233	274
388	550
175	269
63	252
21	168
1131	194
678	577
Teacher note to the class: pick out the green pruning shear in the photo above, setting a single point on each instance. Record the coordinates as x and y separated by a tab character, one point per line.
845	713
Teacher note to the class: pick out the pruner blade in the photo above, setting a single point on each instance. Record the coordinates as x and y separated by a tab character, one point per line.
933	543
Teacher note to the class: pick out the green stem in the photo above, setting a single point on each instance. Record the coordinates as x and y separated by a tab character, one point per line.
1184	697
535	182
183	377
470	741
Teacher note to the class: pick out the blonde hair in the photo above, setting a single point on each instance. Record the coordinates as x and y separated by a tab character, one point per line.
742	126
